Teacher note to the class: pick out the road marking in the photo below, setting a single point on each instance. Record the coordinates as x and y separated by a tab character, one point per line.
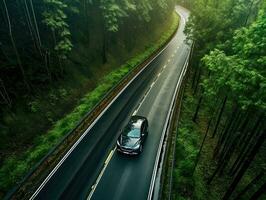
142	100
91	125
168	60
146	93
183	18
108	159
177	88
135	112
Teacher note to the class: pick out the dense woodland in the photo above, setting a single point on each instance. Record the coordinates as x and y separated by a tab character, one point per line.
52	52
228	90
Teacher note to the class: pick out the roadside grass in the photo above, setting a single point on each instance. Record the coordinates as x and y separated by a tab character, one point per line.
185	184
15	167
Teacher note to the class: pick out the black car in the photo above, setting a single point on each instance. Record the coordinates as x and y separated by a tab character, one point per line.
133	135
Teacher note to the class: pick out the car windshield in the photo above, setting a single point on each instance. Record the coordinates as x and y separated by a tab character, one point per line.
131	131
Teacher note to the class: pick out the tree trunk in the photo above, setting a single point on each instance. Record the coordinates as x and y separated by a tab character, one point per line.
201	146
224	158
31	28
197	82
260	191
245	166
215	172
245	145
46	59
36	26
4	94
219	117
248	14
244	154
104	58
230	134
223	135
254	181
15	47
197	109
209	125
228	152
194	77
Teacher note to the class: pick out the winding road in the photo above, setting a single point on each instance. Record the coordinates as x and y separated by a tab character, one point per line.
92	169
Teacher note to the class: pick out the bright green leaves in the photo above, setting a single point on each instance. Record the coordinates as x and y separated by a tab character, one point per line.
64	46
144	8
251	42
112	11
222	77
242	75
213	22
55	19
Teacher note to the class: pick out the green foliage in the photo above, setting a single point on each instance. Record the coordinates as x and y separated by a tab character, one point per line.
229	62
213	22
144	8
33	106
187	146
112	11
242	75
55	19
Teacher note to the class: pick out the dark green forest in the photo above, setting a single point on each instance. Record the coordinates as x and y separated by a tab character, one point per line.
59	57
220	147
53	53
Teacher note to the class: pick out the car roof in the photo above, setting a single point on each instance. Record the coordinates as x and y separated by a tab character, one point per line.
137	117
136	121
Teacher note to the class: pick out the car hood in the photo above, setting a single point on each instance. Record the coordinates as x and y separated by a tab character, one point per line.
128	142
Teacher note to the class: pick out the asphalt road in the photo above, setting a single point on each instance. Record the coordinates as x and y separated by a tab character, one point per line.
150	95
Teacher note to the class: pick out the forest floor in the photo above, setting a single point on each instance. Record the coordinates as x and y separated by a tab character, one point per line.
40	122
190	182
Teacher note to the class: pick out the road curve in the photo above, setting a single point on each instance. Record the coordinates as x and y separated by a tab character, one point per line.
82	175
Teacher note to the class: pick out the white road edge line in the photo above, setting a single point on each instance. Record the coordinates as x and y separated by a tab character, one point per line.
142	100
151	189
183	18
112	152
147	92
92	124
108	159
134	113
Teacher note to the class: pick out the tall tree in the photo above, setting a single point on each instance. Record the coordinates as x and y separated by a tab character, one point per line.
15	47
